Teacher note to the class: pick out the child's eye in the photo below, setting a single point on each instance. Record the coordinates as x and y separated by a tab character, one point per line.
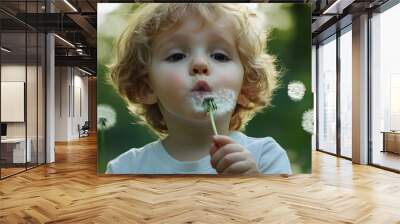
220	57
175	57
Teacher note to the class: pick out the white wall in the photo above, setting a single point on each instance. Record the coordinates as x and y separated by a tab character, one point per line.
12	73
16	73
71	94
61	103
12	101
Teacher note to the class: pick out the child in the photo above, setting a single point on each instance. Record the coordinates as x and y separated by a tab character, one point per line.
172	57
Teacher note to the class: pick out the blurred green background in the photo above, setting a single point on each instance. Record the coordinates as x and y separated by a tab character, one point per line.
289	41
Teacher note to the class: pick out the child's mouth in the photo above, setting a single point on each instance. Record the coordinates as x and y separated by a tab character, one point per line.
201	87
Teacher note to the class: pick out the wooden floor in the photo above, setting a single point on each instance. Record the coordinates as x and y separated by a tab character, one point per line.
5	172
10	171
69	191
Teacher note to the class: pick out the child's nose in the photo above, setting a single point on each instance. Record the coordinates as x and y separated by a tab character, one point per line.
199	68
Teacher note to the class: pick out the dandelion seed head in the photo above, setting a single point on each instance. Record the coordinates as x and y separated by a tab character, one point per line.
106	117
308	121
224	100
296	90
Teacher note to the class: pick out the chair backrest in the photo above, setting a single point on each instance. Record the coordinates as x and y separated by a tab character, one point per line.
86	125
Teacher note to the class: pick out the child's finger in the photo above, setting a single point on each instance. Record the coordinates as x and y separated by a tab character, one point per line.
221	140
228	160
237	168
220	153
213	149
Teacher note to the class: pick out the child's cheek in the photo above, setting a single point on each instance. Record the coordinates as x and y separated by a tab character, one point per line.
175	81
226	81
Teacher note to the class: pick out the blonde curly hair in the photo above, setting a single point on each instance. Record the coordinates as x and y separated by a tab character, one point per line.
133	57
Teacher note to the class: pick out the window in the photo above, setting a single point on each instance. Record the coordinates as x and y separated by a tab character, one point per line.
22	65
327	95
385	88
346	92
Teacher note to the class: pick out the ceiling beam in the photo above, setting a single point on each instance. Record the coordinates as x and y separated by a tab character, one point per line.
82	61
86	26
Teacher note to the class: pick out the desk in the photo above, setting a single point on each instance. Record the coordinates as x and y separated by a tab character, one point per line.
391	141
17	151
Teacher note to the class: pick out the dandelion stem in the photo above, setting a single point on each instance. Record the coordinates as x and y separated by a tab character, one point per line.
213	122
210	106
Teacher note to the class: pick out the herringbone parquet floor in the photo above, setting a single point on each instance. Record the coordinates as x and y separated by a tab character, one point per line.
69	191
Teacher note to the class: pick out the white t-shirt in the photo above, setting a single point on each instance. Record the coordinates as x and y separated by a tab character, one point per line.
152	158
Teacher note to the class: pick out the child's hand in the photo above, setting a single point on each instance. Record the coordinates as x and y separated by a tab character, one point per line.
228	157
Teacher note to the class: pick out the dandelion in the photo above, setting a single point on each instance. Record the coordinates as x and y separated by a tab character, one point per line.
308	121
106	117
214	104
224	98
296	90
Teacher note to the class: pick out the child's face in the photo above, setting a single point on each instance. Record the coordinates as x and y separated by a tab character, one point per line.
193	62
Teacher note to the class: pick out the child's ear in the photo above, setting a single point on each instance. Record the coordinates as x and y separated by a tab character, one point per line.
147	95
